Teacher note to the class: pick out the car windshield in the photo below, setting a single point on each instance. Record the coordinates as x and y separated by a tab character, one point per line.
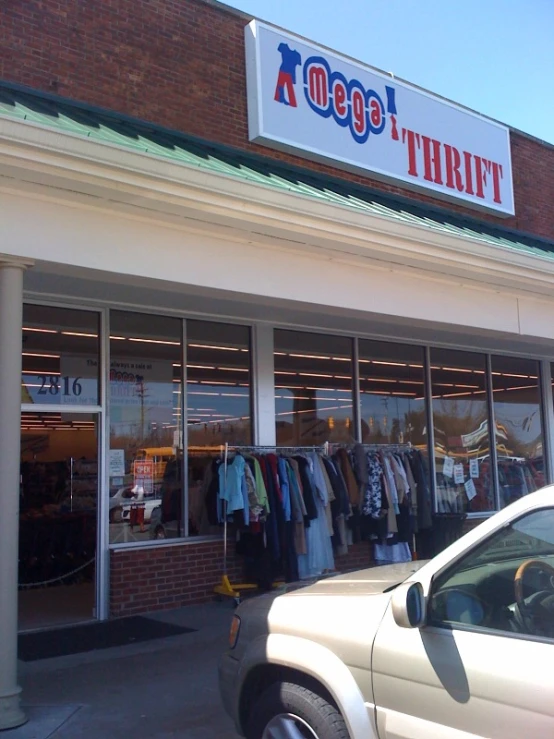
532	536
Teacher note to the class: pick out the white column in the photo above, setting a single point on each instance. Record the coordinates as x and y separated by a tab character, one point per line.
264	385
11	313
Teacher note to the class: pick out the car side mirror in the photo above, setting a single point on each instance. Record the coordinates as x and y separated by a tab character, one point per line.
408	605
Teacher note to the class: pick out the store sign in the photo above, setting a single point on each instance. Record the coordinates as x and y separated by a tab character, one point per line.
133	383
143	477
305	99
116	462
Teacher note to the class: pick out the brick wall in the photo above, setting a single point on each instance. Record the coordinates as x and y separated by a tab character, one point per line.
161	578
359	556
180	63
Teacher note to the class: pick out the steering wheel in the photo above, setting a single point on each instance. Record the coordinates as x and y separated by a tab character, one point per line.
535	613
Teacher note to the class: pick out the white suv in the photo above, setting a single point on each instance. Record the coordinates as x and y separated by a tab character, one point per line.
460	647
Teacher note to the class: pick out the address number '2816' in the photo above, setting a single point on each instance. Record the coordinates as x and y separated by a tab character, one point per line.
52	385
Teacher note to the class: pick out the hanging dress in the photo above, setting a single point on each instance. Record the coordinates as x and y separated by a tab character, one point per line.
319	556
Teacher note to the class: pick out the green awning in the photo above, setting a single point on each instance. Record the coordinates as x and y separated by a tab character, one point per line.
139	136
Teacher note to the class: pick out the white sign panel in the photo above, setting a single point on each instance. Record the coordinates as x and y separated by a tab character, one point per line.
448	466
305	99
116	462
133	383
471	491
458	474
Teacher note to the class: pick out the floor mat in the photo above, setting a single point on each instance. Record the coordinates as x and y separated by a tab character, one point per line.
88	637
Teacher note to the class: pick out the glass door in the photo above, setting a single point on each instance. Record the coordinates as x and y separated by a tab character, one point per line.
58	518
59	481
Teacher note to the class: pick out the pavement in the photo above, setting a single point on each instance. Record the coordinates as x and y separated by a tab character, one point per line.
160	689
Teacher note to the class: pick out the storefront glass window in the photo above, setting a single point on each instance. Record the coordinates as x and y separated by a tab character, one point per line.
145	456
218	410
462	433
60	356
519	439
313	389
392	394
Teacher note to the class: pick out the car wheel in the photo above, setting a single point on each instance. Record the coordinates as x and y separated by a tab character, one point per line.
290	711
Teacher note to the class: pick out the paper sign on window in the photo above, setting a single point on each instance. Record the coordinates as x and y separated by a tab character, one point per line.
459	474
471	492
448	467
474	468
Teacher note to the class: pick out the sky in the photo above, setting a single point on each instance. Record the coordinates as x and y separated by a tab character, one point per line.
494	56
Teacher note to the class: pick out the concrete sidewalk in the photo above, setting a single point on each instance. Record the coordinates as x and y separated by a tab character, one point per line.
161	689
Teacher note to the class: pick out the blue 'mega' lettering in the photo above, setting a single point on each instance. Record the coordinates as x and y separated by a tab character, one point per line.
331	94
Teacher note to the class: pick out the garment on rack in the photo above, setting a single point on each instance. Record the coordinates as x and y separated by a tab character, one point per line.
285	509
395	498
423	491
319	557
340	506
298	511
353	484
308	492
232	488
386	554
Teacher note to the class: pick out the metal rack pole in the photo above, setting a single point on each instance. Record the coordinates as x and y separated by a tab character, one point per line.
392	447
226	458
71	482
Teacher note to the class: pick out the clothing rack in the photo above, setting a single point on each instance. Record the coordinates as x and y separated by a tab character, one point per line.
225	588
406	446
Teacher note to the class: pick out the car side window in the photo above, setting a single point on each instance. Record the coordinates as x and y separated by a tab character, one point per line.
504	584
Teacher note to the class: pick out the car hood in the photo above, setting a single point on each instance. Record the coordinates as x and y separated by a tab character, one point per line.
341	613
362	582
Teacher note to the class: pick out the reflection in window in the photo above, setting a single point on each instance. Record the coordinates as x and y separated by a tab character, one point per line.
392	394
60	356
218	409
313	389
517	412
145	459
462	437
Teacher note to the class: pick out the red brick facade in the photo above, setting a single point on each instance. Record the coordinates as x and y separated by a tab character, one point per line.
183	574
180	64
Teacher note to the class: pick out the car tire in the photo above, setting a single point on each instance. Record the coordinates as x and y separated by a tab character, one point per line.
312	715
